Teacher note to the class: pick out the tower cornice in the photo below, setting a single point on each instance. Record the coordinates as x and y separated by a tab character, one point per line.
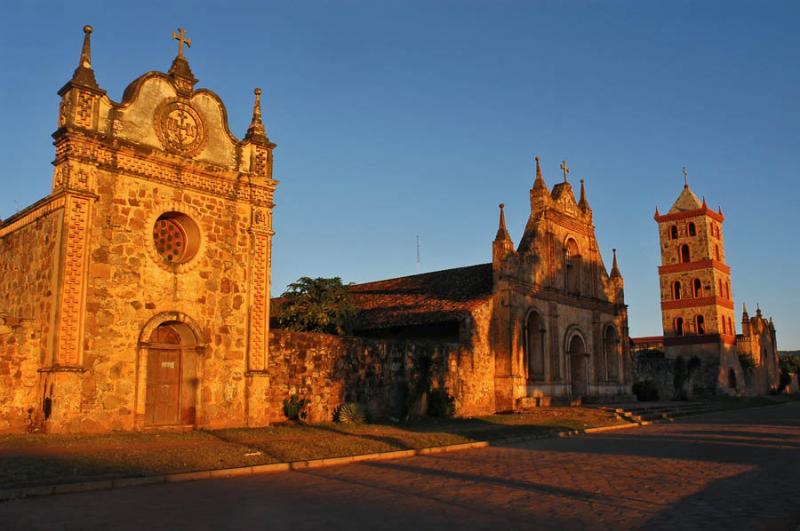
705	211
694	266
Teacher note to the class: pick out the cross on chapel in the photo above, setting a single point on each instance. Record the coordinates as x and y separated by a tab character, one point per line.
565	169
182	39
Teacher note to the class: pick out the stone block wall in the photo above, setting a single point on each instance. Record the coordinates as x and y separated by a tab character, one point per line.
329	370
19	379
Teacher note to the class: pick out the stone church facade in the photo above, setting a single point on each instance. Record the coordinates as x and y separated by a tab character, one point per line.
136	294
543	323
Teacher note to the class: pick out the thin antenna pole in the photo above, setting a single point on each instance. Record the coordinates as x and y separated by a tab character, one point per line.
418	261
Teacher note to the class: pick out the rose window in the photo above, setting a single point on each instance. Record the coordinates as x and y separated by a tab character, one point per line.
176	237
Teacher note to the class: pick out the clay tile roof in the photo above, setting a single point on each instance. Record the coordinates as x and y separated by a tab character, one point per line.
422	299
686	201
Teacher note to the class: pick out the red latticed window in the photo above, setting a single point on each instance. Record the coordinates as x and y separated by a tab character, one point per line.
170	239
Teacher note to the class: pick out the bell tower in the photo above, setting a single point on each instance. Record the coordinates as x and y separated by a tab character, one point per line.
696	298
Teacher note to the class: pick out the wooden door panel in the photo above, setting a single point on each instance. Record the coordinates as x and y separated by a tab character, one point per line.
163	386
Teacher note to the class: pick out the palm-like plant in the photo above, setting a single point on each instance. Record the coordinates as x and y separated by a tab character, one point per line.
316	305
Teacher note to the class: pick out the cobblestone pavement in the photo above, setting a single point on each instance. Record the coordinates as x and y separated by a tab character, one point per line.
732	470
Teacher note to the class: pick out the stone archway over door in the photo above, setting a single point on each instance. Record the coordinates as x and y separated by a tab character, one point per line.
169	369
579	370
162	398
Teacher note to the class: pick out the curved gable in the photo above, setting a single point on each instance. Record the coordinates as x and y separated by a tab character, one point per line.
153	114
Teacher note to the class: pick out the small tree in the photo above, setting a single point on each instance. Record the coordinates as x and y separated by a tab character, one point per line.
316	305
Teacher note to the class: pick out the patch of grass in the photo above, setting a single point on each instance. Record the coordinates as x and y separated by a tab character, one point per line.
27	460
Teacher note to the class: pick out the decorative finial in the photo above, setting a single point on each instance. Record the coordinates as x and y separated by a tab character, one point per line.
256	132
614	267
744	310
180	36
583	203
705	205
83	75
564	169
86	51
657	212
758	310
538	182
685	177
502	232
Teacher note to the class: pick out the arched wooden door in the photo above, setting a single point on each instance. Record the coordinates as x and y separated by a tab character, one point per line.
162	400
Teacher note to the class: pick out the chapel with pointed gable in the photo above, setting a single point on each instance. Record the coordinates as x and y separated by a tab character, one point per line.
541	324
135	294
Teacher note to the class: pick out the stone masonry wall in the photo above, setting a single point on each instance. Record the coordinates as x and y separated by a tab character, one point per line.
19	362
28	253
330	370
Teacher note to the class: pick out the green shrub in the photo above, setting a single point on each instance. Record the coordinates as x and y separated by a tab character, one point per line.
646	390
746	361
350	413
294	408
441	404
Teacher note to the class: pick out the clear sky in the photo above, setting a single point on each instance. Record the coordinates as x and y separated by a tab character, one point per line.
398	119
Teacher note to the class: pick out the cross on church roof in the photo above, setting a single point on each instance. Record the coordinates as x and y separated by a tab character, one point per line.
685	176
182	39
564	169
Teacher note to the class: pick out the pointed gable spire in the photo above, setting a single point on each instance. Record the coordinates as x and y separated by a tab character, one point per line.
583	203
83	75
256	132
539	183
745	316
614	267
502	232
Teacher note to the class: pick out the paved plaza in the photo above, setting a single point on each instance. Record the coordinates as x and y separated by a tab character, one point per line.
731	470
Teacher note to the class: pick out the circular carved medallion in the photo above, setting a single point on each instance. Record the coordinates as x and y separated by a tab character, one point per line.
179	127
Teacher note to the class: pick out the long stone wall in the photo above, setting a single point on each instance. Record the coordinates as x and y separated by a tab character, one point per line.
329	370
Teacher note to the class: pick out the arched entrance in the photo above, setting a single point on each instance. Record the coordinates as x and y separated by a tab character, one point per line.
610	349
169	365
534	347
162	399
579	377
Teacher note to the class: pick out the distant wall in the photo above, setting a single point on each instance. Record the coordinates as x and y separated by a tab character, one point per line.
329	370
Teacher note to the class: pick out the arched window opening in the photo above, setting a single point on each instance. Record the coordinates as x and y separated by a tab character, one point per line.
684	253
678	326
692	230
673	232
676	291
535	346
719	288
724	325
727	290
573	262
731	329
716	252
611	351
697	288
700	325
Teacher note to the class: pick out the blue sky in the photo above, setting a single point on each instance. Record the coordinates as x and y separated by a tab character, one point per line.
398	119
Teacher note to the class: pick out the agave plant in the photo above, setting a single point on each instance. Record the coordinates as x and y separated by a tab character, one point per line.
350	413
